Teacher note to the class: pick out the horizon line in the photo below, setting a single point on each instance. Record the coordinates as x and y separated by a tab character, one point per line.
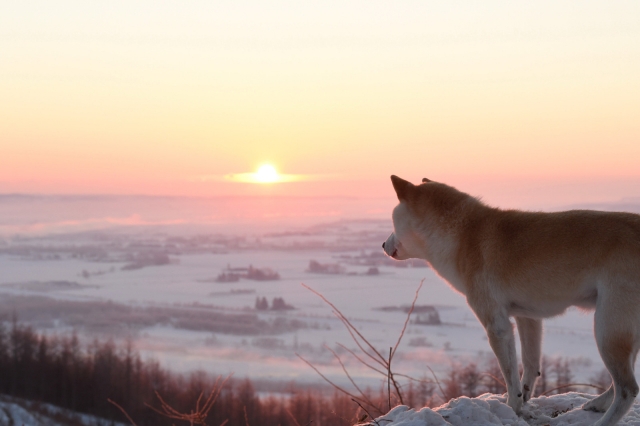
108	195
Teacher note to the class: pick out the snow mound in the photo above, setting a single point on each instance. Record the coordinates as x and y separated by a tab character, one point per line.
22	412
489	410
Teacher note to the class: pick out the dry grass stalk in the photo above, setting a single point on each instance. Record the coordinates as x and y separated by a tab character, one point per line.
377	357
368	414
370	352
491	376
389	378
246	418
292	417
570	385
362	394
413	379
360	360
326	379
122	410
197	416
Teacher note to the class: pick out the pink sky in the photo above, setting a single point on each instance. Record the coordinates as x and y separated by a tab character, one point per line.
525	104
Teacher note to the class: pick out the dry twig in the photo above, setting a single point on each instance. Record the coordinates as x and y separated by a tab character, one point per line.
364	395
404	328
437	381
494	378
371	352
363	362
351	328
570	385
292	418
123	411
373	419
389	378
246	418
344	391
197	416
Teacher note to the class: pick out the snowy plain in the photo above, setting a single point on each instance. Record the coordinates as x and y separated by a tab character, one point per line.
87	243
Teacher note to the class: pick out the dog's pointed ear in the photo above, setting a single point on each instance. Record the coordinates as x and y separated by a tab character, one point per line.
402	187
425	180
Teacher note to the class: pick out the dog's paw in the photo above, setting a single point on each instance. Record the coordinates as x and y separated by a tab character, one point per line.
515	402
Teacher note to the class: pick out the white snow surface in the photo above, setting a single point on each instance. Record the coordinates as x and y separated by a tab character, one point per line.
21	412
488	410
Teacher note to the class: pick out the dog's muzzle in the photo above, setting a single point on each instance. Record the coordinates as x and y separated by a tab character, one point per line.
390	246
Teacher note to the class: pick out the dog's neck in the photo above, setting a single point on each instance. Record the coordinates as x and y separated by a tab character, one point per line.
442	245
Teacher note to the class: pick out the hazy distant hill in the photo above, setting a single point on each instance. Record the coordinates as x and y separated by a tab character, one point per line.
44	214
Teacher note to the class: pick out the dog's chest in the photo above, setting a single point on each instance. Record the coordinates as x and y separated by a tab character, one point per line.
447	270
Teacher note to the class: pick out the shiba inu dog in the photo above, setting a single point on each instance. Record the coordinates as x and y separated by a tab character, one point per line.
530	266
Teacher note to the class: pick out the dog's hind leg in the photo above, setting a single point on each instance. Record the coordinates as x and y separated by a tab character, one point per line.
530	331
616	336
601	403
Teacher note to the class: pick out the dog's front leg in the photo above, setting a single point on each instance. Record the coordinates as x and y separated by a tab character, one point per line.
500	333
530	330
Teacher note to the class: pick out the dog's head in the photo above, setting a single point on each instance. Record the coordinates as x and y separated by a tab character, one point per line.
427	213
404	242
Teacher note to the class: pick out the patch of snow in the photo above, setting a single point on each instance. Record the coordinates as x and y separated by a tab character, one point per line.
21	412
17	415
492	410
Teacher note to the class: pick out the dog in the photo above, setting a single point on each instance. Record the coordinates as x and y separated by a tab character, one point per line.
531	265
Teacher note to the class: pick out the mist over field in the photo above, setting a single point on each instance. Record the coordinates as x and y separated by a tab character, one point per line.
216	284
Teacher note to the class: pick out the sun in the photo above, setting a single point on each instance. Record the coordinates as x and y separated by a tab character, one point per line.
267	174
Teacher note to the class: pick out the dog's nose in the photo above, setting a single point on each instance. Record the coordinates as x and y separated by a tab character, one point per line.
382	245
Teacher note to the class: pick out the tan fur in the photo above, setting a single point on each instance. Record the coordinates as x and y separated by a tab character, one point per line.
531	265
621	348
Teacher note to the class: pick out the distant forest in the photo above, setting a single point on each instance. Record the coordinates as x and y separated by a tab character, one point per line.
58	370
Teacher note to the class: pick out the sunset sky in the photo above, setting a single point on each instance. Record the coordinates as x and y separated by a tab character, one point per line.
525	103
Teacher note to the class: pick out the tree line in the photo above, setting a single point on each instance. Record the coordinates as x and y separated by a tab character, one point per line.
61	371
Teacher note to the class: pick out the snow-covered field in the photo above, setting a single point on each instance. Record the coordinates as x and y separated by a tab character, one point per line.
187	283
92	262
